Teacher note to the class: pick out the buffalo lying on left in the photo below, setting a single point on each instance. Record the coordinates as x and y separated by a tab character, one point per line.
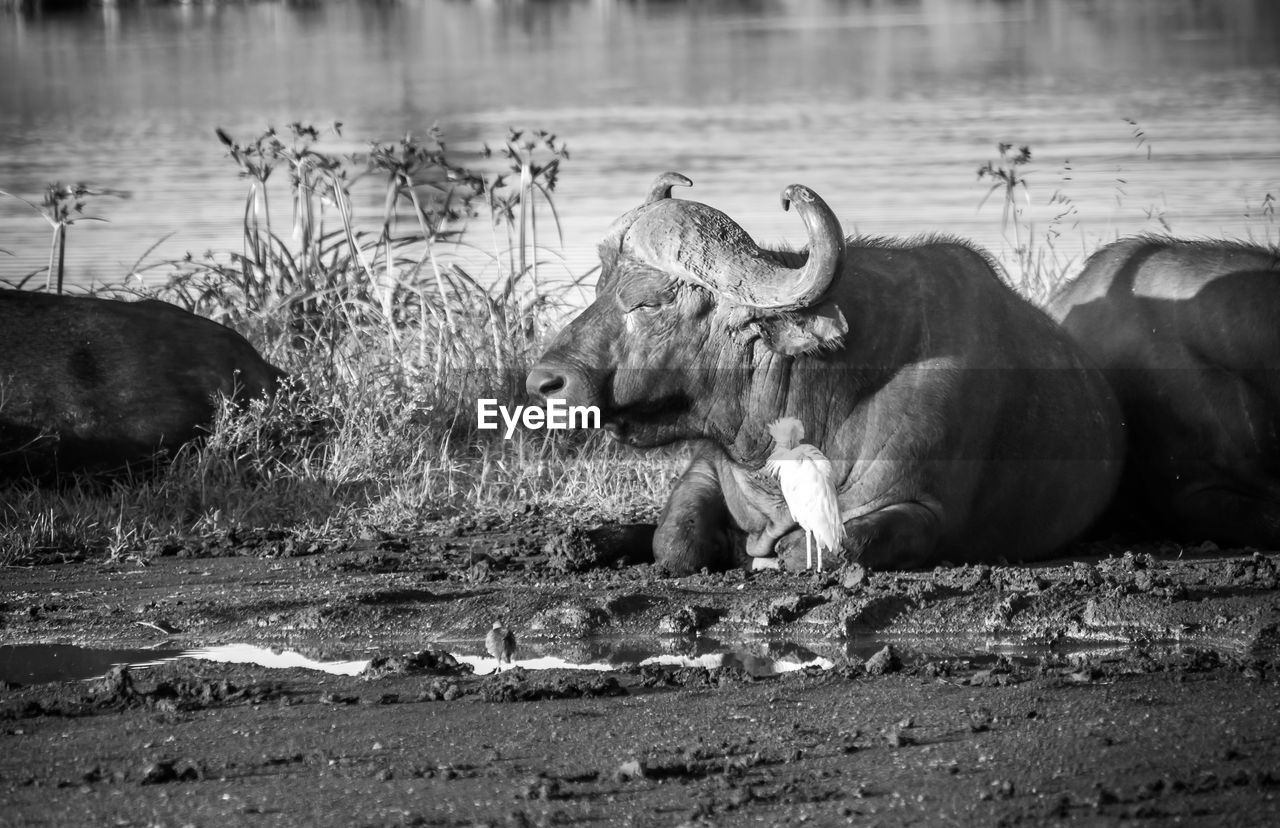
94	385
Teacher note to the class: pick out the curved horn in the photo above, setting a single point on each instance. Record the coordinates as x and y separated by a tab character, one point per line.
662	186
775	287
711	249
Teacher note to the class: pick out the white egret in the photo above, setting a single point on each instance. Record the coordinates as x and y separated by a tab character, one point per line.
805	477
501	644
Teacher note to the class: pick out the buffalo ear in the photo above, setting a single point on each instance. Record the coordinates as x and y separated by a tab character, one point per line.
818	328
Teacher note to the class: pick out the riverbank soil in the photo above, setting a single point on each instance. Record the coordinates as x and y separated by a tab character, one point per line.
1131	683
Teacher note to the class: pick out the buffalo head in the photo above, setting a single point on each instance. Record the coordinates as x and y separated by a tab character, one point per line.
687	309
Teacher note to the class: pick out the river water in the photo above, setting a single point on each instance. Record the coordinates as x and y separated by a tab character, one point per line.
1140	114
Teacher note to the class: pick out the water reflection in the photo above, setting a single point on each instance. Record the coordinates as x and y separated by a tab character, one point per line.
886	107
43	663
275	658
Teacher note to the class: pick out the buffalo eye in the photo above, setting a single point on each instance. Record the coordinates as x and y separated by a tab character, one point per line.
645	295
651	304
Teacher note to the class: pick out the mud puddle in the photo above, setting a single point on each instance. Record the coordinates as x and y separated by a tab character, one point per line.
30	664
45	663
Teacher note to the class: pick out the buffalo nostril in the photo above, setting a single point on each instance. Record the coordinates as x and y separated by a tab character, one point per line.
544	382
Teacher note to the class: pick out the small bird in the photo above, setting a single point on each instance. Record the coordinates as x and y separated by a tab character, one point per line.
501	644
804	475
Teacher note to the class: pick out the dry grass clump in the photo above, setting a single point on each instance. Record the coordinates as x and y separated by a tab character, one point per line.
390	338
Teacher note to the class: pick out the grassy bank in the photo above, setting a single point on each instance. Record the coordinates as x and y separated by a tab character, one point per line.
390	335
391	328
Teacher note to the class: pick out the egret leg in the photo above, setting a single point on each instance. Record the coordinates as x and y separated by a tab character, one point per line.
819	557
808	550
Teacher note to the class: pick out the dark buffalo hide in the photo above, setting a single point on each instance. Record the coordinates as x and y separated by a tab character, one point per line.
93	385
1188	335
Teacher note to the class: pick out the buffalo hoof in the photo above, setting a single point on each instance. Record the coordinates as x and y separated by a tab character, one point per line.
690	544
790	552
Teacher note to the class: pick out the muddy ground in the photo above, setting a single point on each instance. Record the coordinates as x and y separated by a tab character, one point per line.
1134	683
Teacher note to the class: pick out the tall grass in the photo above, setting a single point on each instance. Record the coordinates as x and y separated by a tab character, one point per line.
1040	258
391	328
62	206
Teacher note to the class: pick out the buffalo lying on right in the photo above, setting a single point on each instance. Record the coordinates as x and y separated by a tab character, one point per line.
1188	334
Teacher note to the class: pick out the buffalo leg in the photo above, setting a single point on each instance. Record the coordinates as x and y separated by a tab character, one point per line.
693	531
768	541
901	536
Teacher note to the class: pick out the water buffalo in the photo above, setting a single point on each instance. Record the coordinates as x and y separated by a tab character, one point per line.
92	385
961	423
1188	335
